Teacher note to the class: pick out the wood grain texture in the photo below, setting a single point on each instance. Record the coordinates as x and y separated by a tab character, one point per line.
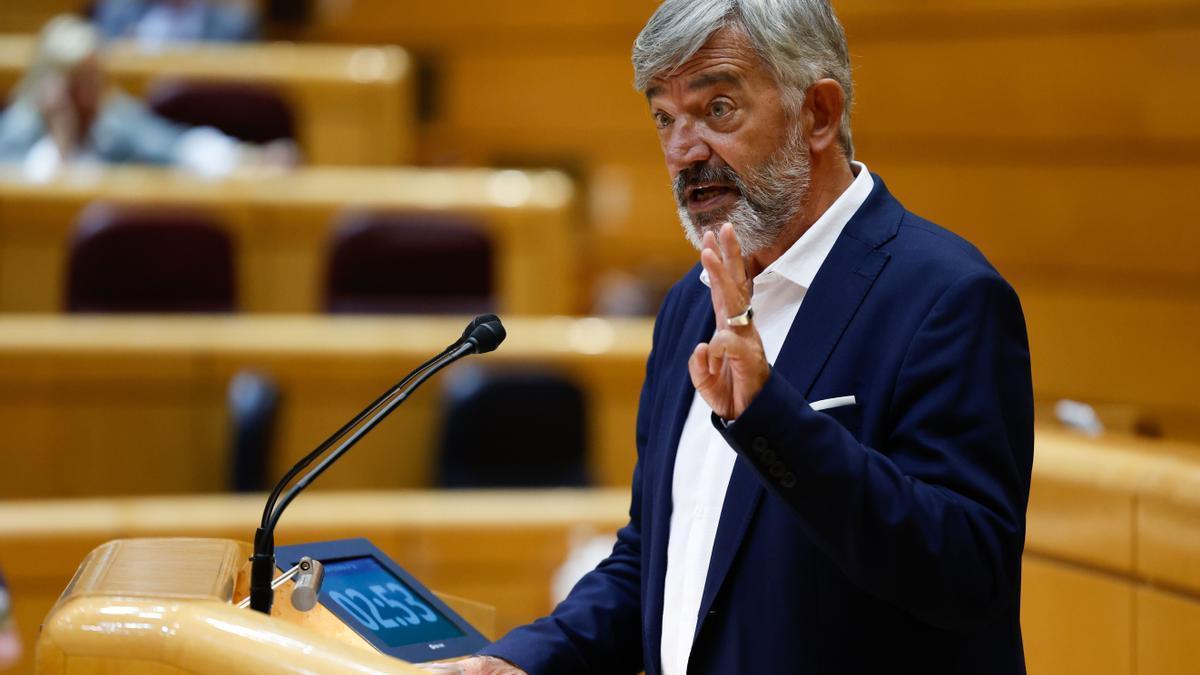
1167	626
1075	621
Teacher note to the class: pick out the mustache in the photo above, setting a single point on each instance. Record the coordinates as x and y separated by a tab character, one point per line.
704	174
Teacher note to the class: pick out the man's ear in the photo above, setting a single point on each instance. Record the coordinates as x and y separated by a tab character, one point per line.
823	106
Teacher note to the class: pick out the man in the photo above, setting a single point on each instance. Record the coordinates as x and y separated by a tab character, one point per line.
835	433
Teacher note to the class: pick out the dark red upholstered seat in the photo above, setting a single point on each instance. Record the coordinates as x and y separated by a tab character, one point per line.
251	112
142	259
409	263
485	439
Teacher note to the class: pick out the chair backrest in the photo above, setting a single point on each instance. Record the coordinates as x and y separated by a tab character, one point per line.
253	404
512	429
140	259
409	263
254	113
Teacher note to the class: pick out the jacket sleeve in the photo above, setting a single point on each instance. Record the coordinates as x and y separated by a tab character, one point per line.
598	627
933	520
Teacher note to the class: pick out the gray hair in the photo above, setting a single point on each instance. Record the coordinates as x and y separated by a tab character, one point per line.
800	41
64	42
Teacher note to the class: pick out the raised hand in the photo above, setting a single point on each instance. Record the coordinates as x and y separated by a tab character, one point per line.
730	370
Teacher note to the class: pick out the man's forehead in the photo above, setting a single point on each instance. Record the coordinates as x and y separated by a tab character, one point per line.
717	74
725	58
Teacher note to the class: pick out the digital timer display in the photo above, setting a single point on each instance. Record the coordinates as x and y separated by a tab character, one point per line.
382	603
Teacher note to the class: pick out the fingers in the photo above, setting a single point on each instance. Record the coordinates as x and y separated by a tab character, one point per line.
732	253
488	665
711	260
721	258
726	345
708	359
698	367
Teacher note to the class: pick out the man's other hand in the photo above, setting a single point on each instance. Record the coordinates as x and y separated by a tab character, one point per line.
488	665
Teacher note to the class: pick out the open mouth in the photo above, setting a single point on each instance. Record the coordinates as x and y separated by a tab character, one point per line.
704	197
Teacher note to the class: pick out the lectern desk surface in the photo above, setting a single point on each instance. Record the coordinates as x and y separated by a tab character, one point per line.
166	606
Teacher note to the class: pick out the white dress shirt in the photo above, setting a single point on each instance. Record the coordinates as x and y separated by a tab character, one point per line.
704	460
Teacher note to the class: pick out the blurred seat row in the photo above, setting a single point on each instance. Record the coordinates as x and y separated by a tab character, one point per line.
125	258
138	260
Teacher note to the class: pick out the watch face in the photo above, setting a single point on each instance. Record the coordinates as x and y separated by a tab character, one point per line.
379	603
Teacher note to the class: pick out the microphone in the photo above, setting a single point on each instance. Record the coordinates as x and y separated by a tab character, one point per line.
483	334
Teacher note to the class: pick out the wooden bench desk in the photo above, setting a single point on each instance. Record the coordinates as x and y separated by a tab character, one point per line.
282	223
136	405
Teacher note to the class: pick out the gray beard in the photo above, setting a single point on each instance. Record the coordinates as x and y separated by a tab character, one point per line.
770	196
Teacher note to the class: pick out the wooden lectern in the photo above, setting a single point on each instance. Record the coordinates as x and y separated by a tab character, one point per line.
166	606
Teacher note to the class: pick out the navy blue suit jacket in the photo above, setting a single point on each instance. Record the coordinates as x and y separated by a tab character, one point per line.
883	537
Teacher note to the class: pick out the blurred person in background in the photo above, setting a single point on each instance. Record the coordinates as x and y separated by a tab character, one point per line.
65	112
10	640
155	24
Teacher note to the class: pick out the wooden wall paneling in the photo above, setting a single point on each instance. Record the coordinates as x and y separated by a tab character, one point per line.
1167	626
479	21
1103	344
1079	521
122	424
949	97
1030	87
1169	539
1075	621
1080	219
29	15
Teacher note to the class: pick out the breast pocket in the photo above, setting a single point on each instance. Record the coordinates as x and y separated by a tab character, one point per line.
849	415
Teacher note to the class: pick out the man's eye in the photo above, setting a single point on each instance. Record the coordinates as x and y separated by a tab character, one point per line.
720	109
661	120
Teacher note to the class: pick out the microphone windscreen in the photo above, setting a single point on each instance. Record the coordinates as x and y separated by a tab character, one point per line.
475	323
487	335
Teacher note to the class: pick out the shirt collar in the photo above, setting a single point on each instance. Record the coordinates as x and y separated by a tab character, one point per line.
800	263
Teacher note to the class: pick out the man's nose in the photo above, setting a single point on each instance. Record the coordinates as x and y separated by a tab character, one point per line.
686	147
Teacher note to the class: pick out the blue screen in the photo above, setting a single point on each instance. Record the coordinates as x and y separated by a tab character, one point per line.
380	604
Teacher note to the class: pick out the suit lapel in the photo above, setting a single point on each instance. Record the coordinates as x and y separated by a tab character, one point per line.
836	294
697	327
